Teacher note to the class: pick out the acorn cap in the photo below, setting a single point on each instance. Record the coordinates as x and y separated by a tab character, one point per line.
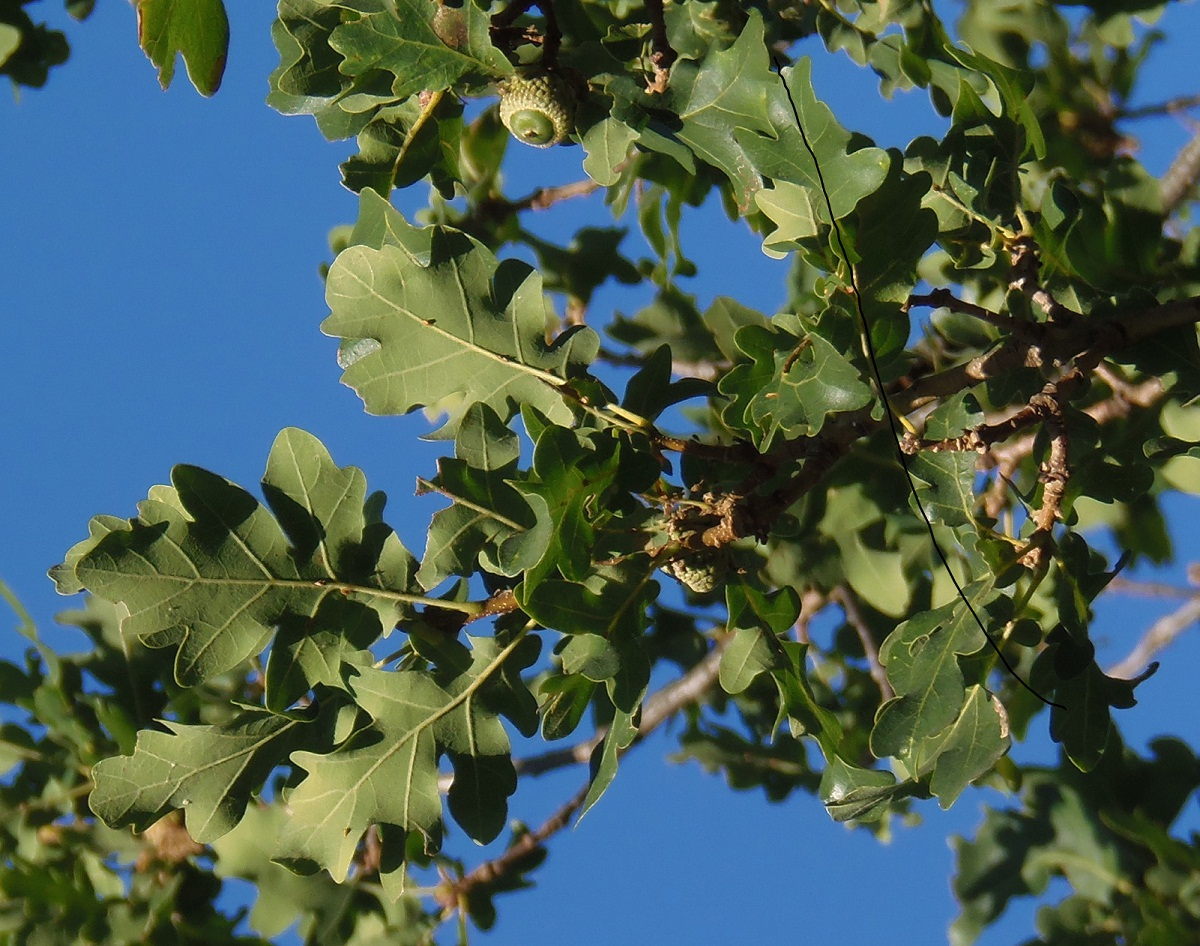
538	108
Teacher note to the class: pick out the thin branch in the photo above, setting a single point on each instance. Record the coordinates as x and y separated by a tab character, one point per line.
546	197
1005	459
1181	176
1054	343
1023	277
1150	589
1169	107
849	604
1053	475
656	710
453	894
662	706
945	299
662	56
1161	634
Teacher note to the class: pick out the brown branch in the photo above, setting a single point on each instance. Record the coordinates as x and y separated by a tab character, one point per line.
1161	634
1053	344
1023	276
662	55
1178	104
845	598
1053	475
1181	176
656	710
545	197
1084	340
1005	459
1150	589
945	299
662	706
452	894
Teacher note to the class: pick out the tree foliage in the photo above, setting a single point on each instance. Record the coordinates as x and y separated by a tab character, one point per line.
279	690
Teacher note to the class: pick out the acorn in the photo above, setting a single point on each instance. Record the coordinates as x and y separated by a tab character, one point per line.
699	572
538	108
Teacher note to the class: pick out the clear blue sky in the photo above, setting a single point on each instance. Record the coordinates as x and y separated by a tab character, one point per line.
159	303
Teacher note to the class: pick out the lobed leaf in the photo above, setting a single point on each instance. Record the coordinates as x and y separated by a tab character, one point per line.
207	569
461	325
921	657
386	773
196	29
210	772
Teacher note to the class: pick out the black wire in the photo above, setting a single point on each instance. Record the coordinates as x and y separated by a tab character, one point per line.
887	406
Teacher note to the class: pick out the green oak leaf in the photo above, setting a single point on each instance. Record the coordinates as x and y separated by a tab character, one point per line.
487	515
10	41
565	698
425	46
851	793
745	657
590	655
386	773
591	258
461	325
793	209
611	603
791	386
209	771
945	485
308	80
208	569
607	145
798	703
1083	723
404	143
921	657
651	391
196	29
969	748
579	476
312	651
728	89
783	154
626	689
474	738
724	318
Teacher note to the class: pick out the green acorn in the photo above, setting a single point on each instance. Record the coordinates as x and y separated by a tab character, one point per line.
538	108
700	572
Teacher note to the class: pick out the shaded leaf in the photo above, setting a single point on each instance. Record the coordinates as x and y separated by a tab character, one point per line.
921	657
207	569
208	771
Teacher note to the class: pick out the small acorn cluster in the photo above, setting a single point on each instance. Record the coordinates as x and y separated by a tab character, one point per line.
538	108
700	570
